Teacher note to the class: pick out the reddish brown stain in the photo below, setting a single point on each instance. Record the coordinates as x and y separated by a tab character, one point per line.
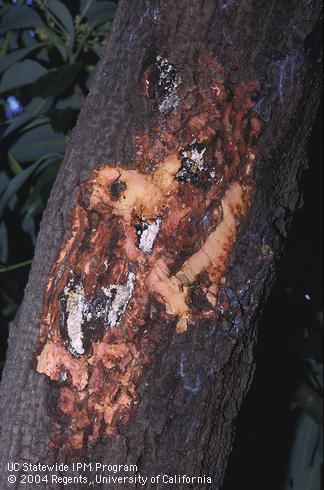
159	231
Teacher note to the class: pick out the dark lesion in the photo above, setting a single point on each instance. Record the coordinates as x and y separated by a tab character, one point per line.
140	226
116	189
148	82
197	299
213	216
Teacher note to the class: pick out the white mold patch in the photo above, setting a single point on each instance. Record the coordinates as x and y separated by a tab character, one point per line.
192	162
118	296
196	155
76	308
168	81
148	236
82	319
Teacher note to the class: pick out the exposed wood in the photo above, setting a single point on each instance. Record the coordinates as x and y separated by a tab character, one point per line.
134	343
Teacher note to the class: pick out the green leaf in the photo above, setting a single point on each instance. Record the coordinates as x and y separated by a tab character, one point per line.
70	101
38	121
98	49
61	119
40	191
48	35
100	12
17	55
3	243
38	142
28	40
84	5
56	81
14	165
63	15
304	468
15	184
36	107
19	17
4	181
21	73
28	226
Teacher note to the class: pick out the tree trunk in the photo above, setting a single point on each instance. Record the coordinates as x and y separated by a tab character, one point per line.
134	342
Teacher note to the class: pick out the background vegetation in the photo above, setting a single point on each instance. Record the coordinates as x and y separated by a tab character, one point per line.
48	53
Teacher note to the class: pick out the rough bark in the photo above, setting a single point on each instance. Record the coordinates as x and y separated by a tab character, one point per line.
134	342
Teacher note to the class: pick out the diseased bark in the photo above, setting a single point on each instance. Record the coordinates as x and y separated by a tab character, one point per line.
134	342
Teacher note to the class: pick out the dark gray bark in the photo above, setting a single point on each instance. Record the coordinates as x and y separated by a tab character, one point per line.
174	429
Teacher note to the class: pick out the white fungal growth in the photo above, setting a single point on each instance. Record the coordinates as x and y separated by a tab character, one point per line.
167	103
155	14
79	311
169	80
148	236
119	296
196	156
75	309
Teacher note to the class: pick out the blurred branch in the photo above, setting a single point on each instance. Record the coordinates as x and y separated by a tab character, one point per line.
15	266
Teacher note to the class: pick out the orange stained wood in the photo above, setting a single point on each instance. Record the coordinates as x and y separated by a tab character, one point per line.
143	238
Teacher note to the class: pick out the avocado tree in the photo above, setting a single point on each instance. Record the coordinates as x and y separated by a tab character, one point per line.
158	247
